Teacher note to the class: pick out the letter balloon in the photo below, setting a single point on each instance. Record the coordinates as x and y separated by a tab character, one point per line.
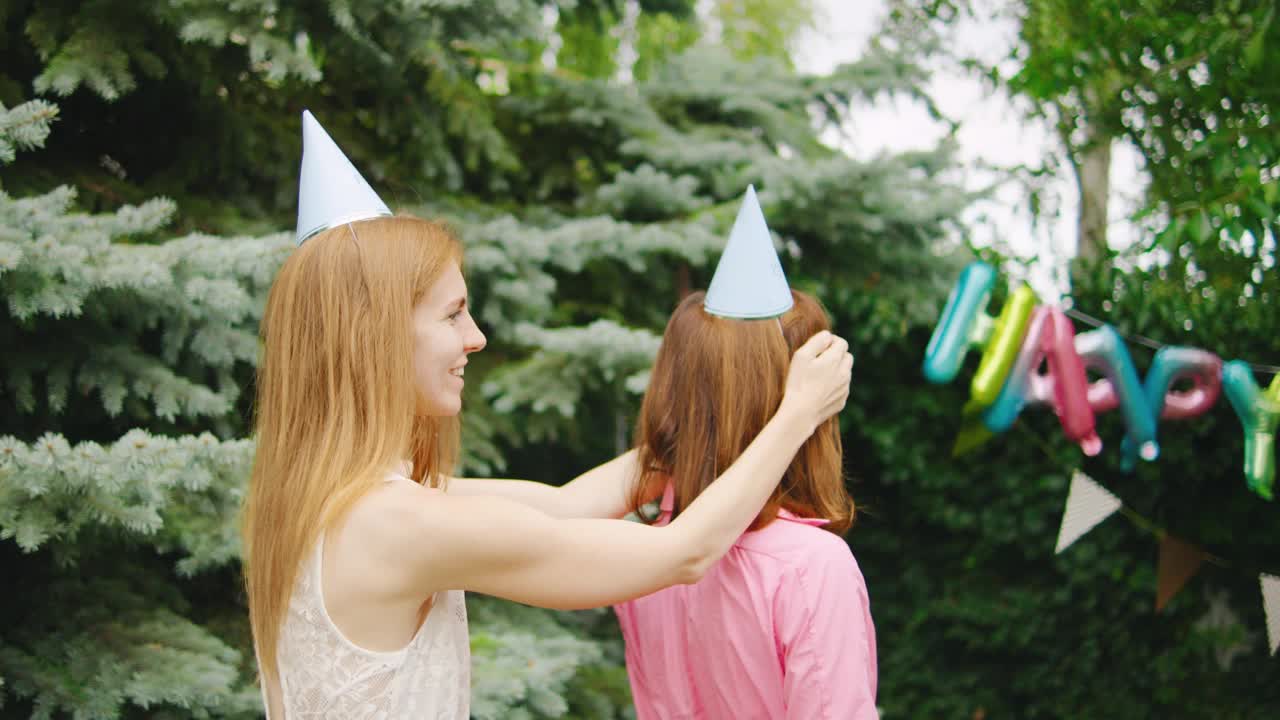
1103	349
1259	414
1201	368
1050	340
964	323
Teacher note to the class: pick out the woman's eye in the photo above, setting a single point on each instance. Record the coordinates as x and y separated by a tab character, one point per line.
455	315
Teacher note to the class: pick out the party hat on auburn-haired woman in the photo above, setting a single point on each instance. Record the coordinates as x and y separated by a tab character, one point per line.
749	283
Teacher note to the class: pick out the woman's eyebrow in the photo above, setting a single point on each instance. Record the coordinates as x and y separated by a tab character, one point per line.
457	303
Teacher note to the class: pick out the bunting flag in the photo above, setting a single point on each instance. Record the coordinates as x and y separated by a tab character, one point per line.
1271	604
1179	562
973	434
1088	504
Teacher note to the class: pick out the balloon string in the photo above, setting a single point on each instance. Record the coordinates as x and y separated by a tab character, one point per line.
1156	344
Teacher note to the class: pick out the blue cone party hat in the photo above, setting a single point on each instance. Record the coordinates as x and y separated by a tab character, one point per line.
749	283
331	191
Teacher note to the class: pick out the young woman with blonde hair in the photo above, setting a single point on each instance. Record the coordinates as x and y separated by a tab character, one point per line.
780	627
359	544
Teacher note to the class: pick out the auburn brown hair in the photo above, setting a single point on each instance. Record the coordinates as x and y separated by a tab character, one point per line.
715	384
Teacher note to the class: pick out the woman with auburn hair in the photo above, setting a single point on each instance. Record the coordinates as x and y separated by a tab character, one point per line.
780	627
358	543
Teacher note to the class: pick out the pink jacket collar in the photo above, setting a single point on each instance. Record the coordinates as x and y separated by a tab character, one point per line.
669	502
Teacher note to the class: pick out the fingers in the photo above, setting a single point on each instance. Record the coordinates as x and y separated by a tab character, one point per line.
846	371
820	375
837	348
815	345
835	353
846	374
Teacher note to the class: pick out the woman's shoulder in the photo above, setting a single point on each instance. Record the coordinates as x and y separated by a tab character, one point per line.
392	534
799	541
387	496
815	565
391	511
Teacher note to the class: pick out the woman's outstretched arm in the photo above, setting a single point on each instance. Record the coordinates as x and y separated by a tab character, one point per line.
601	492
503	548
604	491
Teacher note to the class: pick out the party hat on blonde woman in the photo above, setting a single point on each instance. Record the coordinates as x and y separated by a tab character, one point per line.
331	191
749	283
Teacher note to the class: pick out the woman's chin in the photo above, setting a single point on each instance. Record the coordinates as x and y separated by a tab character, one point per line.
441	407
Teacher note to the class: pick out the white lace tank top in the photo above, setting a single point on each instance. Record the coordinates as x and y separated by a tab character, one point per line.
324	676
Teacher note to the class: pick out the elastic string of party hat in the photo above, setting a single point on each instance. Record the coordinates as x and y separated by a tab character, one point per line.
355	241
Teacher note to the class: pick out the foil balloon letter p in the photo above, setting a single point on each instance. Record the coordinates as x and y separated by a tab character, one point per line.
1171	364
1104	350
964	324
1050	340
1002	347
1259	413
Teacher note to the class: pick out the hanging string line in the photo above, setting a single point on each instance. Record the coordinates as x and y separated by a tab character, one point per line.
1147	525
1155	344
1151	527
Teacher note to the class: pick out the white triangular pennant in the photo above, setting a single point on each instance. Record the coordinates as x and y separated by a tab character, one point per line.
1088	504
1271	604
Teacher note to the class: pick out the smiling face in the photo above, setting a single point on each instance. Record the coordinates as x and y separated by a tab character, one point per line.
444	334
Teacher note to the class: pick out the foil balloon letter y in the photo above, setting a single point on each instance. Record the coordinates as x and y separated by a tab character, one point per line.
1259	414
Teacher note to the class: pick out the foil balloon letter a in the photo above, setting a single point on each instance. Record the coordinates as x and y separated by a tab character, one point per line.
1050	341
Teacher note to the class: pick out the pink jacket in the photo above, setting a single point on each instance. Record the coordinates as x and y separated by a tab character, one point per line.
780	628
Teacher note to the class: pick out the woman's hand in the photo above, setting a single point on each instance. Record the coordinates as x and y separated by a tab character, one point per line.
818	381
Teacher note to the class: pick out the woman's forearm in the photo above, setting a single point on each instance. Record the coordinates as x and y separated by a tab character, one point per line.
606	490
601	492
544	497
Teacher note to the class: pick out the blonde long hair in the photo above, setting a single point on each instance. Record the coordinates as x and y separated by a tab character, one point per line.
336	401
714	386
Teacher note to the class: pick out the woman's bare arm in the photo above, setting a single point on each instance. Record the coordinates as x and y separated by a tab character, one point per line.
601	492
503	548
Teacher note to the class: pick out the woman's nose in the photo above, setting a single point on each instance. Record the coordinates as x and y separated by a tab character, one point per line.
476	340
